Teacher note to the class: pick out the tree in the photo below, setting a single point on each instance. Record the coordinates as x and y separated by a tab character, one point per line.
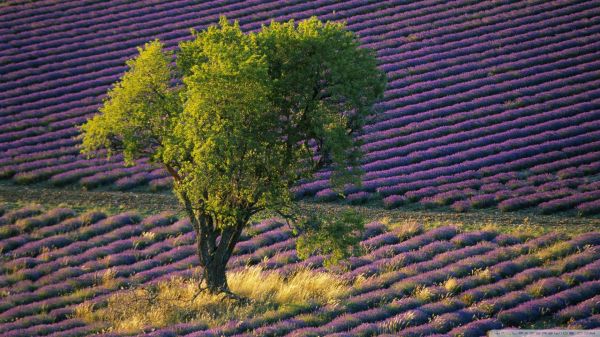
238	119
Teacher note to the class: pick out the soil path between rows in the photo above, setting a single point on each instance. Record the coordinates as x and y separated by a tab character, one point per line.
151	203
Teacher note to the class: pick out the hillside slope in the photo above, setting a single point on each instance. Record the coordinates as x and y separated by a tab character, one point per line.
489	102
437	282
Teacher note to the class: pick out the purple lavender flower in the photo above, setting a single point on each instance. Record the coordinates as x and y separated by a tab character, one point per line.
327	195
461	206
358	198
482	200
471	238
589	208
579	311
586	323
476	328
534	309
394	201
546	287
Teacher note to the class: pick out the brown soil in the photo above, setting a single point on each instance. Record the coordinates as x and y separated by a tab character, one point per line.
525	222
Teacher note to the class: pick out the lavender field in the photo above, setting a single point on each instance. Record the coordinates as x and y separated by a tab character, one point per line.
489	104
481	185
437	282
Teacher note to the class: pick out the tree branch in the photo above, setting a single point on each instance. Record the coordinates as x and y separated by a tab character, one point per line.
173	173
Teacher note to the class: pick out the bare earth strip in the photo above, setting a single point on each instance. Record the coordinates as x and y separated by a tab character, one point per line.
525	222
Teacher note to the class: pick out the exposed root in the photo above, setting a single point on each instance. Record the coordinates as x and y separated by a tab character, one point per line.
198	293
228	295
225	293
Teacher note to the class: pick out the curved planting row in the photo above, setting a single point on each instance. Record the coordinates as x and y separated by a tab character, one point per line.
407	283
476	90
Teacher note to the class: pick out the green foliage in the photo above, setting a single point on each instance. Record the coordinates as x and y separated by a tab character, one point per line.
139	112
240	118
324	87
337	237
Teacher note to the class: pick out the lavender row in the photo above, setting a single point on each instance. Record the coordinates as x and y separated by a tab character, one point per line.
27	151
79	82
468	35
146	18
431	111
565	97
170	254
571	136
57	303
520	193
72	176
464	141
476	88
524	273
157	234
44	117
492	188
529	84
106	177
457	62
569	202
62	98
40	11
431	119
347	321
350	320
166	32
40	155
578	111
44	173
8	171
508	161
337	7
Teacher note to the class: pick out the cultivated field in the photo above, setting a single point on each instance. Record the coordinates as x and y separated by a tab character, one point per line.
408	281
481	186
488	103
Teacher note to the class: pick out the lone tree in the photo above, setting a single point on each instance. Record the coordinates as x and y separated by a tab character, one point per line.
238	119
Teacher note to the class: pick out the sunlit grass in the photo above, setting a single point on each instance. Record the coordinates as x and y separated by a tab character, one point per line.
171	302
404	228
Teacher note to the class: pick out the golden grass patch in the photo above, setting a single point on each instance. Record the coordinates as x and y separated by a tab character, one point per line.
175	301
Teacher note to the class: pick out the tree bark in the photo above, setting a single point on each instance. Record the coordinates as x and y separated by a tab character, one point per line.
215	278
214	246
215	265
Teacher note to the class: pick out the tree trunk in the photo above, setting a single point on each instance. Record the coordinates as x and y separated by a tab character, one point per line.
214	247
215	278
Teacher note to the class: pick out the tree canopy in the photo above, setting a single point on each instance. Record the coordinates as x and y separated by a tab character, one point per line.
238	118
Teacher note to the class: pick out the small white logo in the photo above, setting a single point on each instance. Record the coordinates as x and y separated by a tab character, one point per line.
543	333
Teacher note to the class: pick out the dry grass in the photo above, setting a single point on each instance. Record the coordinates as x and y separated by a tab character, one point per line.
451	285
405	228
423	293
173	301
